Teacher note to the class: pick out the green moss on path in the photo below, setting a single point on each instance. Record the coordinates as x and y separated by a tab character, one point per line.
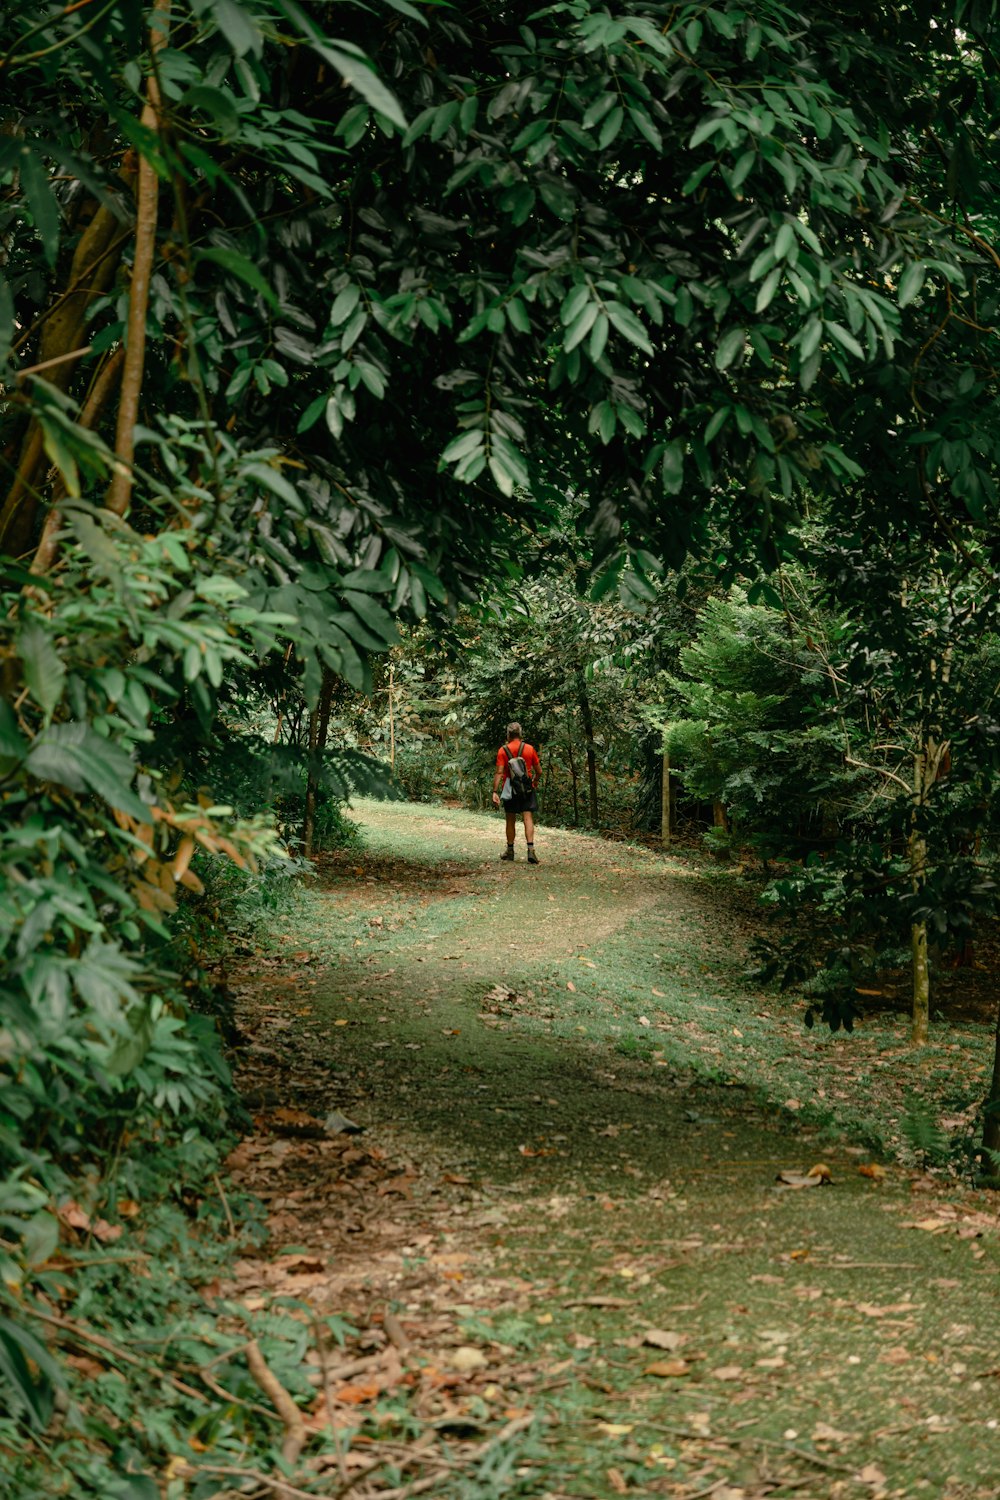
596	1103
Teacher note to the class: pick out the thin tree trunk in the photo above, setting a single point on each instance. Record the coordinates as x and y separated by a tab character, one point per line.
587	720
392	720
100	392
319	724
576	795
95	261
991	1125
926	765
665	799
147	204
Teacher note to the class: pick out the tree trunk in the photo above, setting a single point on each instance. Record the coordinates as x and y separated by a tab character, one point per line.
147	195
587	719
100	393
572	773
926	765
92	271
991	1125
921	985
392	720
319	724
665	800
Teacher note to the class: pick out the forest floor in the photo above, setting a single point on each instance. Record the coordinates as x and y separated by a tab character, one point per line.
562	1261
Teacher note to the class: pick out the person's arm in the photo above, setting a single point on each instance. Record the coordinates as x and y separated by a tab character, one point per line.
497	779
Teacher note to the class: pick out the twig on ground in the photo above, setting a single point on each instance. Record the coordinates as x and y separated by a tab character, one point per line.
295	1431
269	1481
324	1369
225	1204
394	1332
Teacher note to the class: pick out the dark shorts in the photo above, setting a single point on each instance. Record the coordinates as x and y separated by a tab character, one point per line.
528	803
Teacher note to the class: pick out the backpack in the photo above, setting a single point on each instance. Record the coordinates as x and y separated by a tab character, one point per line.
517	773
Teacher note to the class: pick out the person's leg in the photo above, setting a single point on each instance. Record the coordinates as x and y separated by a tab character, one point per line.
529	834
511	834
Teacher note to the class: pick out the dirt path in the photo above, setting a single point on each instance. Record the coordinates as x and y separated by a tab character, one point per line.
558	1243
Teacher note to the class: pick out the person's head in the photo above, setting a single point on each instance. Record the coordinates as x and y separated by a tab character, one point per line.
514	731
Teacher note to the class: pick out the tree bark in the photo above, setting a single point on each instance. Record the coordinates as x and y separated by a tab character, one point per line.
93	267
147	205
319	724
665	800
572	773
991	1124
587	719
100	392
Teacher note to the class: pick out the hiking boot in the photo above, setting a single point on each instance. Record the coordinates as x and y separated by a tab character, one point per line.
507	854
533	857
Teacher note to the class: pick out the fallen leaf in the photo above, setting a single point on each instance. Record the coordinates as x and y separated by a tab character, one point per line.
644	1021
615	1429
105	1232
661	1338
818	1176
468	1357
617	1481
897	1355
793	1104
870	1474
356	1395
659	994
872	1170
727	1372
824	1433
571	986
668	1368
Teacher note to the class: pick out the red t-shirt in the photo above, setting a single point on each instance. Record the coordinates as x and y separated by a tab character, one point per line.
531	761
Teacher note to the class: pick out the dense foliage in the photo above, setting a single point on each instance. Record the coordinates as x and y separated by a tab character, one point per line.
312	320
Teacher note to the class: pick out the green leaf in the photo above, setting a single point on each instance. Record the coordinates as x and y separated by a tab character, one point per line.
845	339
44	672
627	324
238	27
729	347
41	202
598	337
613	122
672	468
461	446
344	304
580	327
352	66
911	283
242	268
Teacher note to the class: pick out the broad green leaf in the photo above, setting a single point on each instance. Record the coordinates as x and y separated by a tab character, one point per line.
598	337
41	202
911	283
352	66
729	347
344	304
44	672
613	122
242	268
672	468
627	324
580	326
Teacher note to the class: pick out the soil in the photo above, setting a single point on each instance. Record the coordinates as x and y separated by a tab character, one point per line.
518	1131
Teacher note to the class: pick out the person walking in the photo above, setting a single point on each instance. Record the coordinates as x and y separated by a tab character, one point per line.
513	802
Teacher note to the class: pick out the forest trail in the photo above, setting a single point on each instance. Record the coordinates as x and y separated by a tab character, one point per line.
559	1246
